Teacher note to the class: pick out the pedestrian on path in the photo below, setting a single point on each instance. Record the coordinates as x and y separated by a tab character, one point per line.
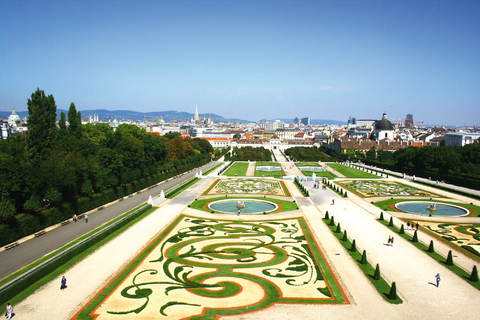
74	218
64	283
417	226
391	242
86	218
333	201
9	311
437	277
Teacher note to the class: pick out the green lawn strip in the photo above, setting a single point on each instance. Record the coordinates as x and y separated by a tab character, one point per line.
386	205
286	205
211	169
267	163
285	189
434	255
39	261
381	285
323	174
60	270
277	174
239	168
211	187
350	172
172	193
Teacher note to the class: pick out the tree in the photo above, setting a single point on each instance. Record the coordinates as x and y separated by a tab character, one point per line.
7	209
42	129
237	136
74	122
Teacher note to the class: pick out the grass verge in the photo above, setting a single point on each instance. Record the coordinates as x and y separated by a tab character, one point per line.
381	285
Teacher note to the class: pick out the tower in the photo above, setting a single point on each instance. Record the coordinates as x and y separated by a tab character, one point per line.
196	118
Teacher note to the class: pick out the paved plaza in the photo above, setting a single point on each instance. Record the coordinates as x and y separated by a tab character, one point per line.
328	283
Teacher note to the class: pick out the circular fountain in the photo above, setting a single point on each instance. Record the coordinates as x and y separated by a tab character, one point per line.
429	208
245	206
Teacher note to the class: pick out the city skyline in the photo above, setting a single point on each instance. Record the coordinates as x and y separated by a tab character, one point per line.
247	60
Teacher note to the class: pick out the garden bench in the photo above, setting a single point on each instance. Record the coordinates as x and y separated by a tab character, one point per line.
11	245
38	234
65	222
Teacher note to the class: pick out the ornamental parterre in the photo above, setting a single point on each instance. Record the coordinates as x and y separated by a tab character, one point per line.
201	268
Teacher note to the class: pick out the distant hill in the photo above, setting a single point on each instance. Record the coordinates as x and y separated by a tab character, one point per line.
104	115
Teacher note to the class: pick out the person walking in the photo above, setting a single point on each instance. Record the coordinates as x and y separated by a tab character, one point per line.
333	201
64	283
437	277
9	311
74	218
86	218
391	242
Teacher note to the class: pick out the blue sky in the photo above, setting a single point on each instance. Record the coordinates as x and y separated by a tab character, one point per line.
247	59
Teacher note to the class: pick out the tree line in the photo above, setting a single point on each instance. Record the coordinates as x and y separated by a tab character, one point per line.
249	153
50	165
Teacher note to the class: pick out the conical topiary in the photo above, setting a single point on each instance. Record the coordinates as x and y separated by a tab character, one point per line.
346	196
390	224
402	229
326	215
339	230
430	247
354	246
376	275
381	216
393	292
345	238
449	261
364	257
474	275
332	221
415	237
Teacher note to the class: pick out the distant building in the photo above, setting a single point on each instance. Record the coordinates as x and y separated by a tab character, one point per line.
5	130
295	121
14	120
409	121
305	121
460	138
383	129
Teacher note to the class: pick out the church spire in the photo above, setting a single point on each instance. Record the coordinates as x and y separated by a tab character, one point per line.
196	118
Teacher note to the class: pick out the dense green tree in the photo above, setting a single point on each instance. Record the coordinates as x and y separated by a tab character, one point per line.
7	209
75	127
41	125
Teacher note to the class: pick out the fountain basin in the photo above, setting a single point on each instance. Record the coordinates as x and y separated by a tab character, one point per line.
267	168
252	206
422	208
317	169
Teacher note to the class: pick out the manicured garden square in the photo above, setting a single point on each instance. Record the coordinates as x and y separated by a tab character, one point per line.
248	186
203	268
375	188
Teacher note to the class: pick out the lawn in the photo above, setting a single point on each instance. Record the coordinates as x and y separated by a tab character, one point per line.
350	172
238	168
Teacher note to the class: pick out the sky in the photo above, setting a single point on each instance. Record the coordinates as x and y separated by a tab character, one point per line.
247	59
